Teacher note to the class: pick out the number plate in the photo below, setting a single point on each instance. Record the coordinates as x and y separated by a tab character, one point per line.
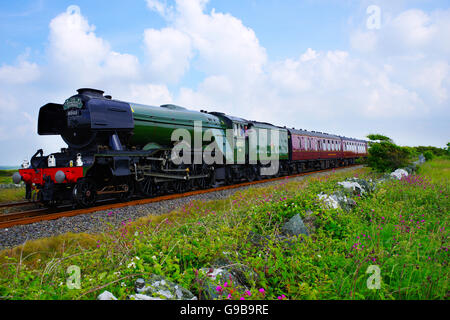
72	113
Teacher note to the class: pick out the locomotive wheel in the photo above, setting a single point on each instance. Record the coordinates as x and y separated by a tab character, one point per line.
180	186
126	196
84	193
203	183
147	187
251	173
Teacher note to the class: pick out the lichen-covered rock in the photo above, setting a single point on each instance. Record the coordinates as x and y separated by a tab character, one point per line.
358	186
329	201
310	221
294	227
139	296
106	295
157	287
399	173
213	278
337	199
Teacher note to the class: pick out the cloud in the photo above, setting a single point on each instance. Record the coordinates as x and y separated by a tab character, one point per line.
82	57
169	52
22	73
221	44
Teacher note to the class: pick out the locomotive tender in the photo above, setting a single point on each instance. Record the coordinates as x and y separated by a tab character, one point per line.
119	149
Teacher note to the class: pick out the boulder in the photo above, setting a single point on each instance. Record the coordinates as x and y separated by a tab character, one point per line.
294	227
159	288
106	295
399	174
337	199
329	201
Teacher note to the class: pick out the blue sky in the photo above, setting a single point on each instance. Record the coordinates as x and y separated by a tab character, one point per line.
310	64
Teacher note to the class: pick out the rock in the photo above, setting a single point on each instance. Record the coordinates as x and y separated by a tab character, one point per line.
310	220
161	288
329	201
214	277
358	186
337	199
139	296
422	158
106	295
354	186
294	227
399	173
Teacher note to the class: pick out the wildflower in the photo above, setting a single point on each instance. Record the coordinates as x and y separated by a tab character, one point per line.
229	296
219	289
248	293
262	290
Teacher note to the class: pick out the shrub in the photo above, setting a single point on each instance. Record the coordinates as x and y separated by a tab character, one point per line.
428	155
385	155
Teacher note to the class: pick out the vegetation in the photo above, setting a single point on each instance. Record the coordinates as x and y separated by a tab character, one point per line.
402	228
11	195
385	155
6	176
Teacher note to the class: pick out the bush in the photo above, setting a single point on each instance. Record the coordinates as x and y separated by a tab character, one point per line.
385	155
433	150
428	155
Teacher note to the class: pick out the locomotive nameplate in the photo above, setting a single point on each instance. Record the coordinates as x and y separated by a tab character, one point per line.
73	102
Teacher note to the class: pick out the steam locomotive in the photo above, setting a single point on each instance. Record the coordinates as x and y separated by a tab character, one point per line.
120	149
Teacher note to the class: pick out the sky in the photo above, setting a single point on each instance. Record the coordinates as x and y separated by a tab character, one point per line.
339	66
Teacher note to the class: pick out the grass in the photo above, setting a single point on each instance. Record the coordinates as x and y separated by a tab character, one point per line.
6	176
438	169
10	195
402	228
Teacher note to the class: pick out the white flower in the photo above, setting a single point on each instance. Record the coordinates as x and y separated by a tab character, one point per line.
154	258
123	284
319	256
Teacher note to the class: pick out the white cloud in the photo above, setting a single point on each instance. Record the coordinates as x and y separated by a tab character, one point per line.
169	51
22	73
83	58
222	44
149	94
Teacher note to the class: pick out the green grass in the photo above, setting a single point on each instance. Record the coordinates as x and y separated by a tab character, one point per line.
438	169
11	195
402	228
6	176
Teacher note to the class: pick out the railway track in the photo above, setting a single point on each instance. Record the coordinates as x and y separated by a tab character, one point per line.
15	204
32	216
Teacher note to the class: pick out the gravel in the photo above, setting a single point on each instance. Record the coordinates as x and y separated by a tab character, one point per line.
99	221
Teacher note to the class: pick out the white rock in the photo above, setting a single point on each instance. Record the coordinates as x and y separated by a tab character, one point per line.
399	173
139	296
351	185
165	293
106	295
329	201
